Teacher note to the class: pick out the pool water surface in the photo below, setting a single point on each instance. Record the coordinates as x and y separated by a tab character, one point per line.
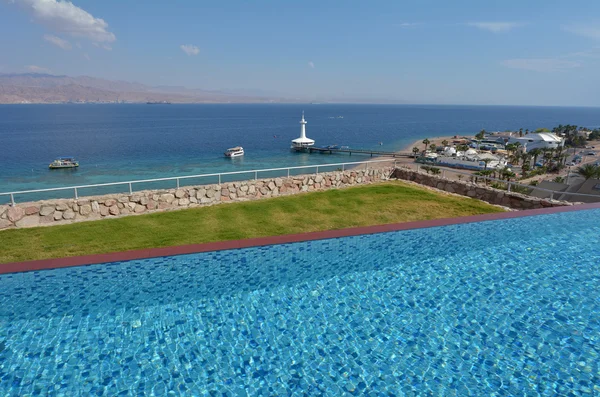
504	308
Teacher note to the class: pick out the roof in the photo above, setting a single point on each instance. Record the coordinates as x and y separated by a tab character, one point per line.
303	140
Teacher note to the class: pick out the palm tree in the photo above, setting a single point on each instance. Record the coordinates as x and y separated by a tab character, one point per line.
535	153
432	147
589	171
520	132
426	142
527	131
415	151
445	143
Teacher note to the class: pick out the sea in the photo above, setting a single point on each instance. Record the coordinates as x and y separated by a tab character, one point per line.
123	142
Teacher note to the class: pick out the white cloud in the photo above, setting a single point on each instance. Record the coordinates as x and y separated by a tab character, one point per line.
86	56
65	17
541	64
494	27
57	41
105	46
407	24
311	64
591	32
37	69
190	49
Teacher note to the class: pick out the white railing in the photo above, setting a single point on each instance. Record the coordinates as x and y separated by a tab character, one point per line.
178	179
509	184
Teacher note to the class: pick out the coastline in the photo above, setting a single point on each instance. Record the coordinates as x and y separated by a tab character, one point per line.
435	140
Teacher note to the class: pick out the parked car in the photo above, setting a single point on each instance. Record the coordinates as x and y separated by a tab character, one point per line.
590	153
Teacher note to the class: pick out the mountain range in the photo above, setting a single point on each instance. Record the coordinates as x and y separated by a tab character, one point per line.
47	88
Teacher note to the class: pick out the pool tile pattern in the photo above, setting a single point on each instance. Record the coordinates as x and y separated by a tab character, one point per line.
500	308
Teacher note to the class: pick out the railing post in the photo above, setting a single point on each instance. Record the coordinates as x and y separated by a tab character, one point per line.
288	170
552	195
130	188
177	179
509	185
219	179
256	175
12	200
317	170
76	196
343	166
443	174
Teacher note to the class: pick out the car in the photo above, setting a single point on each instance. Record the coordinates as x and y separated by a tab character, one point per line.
571	164
590	153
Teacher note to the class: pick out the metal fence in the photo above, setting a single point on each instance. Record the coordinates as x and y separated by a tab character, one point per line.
255	174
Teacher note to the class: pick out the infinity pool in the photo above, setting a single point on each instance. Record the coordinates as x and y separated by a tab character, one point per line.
502	308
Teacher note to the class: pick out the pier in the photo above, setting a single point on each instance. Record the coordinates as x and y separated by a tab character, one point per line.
357	151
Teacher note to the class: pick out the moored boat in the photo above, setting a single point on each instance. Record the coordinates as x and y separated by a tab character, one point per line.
64	162
234	152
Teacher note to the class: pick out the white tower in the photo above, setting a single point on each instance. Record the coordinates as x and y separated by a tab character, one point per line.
303	141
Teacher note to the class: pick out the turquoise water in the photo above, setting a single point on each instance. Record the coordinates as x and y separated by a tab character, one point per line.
505	308
133	142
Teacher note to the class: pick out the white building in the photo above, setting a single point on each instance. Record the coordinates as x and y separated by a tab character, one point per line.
303	142
542	140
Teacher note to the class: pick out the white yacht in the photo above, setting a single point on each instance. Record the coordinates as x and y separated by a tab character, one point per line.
302	143
234	152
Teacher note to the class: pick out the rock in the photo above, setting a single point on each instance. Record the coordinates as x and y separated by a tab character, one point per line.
135	198
163	205
231	189
124	211
271	186
200	193
193	199
68	214
205	200
244	188
3	209
167	198
104	210
95	207
58	215
75	208
113	210
278	182
224	192
139	208
183	202
15	213
131	206
144	200
123	199
319	178
251	189
4	223
46	219
85	210
209	193
151	205
232	196
61	207
110	202
32	210
180	193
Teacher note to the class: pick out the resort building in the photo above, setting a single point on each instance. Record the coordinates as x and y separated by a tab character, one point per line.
541	140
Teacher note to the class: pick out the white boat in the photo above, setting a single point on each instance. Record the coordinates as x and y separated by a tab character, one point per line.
234	152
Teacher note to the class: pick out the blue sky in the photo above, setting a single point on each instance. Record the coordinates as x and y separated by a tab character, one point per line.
468	52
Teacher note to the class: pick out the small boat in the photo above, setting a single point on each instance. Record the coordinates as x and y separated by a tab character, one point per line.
234	152
64	162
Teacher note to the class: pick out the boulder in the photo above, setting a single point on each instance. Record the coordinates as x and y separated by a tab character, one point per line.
319	178
184	202
224	192
139	208
58	215
15	213
180	193
4	223
104	210
110	202
151	205
231	188
123	199
135	198
3	209
167	198
95	207
113	210
251	189
69	214
200	193
124	211
210	193
244	188
278	182
61	207
32	210
85	209
144	200
131	206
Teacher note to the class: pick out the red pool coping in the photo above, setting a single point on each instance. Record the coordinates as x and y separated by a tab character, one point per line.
45	264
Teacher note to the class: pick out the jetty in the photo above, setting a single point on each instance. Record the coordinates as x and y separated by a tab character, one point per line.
331	150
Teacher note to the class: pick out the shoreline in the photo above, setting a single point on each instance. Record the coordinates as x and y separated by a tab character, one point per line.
435	140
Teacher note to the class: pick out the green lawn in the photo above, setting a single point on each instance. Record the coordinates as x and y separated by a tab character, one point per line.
388	202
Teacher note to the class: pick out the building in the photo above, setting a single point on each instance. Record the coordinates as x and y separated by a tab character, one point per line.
541	140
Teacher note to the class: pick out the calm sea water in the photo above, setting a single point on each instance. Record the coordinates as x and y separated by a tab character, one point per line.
125	142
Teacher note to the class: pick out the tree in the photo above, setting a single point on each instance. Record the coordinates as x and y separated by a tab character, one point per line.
432	147
462	148
506	173
589	171
435	170
480	135
535	153
426	142
415	151
527	131
445	142
520	132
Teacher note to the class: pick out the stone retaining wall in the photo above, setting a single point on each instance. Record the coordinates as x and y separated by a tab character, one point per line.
481	192
56	212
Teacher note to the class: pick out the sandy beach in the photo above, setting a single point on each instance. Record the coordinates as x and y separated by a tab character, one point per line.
436	140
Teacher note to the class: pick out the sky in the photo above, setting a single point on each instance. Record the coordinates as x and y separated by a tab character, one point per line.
509	52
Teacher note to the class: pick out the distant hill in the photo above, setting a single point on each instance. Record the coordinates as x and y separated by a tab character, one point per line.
47	88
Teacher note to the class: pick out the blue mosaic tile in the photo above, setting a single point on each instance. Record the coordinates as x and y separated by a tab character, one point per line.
499	308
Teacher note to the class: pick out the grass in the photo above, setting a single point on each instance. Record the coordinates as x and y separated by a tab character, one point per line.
383	203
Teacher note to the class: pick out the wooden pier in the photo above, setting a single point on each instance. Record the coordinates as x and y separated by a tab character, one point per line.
357	151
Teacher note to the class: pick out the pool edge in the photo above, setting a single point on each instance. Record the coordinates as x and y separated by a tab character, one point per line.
45	264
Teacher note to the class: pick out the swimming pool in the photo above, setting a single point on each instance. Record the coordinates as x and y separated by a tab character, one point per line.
508	307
